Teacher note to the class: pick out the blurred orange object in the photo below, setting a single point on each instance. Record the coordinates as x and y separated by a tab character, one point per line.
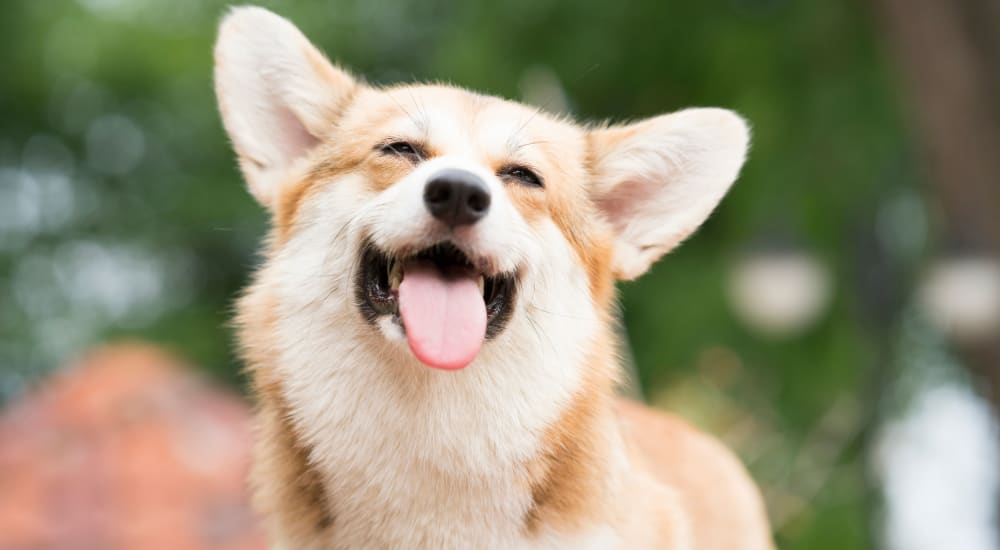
126	449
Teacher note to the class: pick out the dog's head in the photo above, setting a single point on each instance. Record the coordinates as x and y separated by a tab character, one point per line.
434	222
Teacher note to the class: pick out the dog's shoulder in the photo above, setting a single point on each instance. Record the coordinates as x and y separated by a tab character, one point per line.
723	504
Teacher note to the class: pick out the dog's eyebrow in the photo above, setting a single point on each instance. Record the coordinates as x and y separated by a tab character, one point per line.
422	122
514	147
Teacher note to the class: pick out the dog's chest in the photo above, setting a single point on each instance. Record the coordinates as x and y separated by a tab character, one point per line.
414	458
414	463
434	475
417	463
426	511
415	509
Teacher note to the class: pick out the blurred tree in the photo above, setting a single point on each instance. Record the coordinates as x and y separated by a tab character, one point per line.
949	54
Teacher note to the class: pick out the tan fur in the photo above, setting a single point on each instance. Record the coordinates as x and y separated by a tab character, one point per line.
566	489
600	472
287	487
715	491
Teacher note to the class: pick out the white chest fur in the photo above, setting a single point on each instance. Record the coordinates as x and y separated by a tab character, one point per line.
420	458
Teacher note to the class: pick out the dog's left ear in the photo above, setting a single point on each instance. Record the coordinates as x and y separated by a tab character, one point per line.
657	180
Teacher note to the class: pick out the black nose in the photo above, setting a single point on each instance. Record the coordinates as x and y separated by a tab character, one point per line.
457	197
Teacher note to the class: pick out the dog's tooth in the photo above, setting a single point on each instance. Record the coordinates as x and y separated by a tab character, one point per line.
482	284
395	275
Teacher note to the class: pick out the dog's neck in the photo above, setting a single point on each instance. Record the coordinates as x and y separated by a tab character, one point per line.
459	452
520	442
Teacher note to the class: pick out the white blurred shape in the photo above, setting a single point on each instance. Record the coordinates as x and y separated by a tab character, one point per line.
58	203
20	203
73	294
940	472
961	296
779	293
112	280
115	145
32	202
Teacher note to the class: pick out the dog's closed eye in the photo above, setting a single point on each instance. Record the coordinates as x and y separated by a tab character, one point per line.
520	174
409	151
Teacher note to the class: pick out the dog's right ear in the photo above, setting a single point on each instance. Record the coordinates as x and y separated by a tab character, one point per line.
278	95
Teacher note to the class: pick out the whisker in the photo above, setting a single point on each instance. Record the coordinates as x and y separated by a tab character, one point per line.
557	314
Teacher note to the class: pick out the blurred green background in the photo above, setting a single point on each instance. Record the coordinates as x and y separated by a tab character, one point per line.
792	324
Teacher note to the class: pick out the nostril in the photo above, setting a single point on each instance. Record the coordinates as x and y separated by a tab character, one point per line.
478	201
438	192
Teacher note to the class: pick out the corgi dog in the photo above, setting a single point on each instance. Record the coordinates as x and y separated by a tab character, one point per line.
431	337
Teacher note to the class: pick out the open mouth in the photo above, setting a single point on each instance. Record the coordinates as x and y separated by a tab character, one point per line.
445	305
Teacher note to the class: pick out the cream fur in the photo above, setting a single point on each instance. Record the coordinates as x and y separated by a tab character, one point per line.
276	98
659	179
524	448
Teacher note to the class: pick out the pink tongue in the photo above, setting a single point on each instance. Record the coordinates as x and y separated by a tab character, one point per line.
444	315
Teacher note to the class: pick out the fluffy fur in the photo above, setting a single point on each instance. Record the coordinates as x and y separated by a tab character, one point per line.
360	445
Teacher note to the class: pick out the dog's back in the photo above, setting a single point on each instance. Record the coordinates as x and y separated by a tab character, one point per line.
716	493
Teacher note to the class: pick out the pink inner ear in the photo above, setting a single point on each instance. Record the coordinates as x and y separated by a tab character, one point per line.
290	135
623	201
